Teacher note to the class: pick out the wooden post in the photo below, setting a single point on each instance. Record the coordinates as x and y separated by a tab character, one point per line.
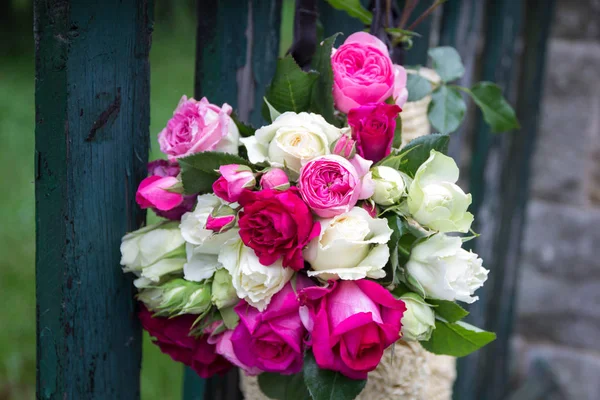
237	45
92	119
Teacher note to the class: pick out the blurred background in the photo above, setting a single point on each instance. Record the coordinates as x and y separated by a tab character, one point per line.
555	341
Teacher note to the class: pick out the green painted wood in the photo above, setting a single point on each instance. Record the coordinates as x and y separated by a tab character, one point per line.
499	183
193	385
92	120
237	45
334	21
417	55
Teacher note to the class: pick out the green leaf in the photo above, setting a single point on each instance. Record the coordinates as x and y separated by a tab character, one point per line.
417	86
199	171
457	339
447	63
322	94
291	88
283	387
244	128
447	109
354	9
398	133
273	113
417	152
324	384
404	32
499	115
448	310
400	290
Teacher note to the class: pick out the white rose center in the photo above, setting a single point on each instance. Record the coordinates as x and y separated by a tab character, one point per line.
347	228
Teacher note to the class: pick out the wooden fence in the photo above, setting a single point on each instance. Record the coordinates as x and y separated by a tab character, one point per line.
92	118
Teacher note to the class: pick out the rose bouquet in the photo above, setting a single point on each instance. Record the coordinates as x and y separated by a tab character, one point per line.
304	253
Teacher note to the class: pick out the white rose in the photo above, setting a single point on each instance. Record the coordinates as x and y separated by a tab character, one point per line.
153	251
390	185
203	245
418	321
252	281
443	270
434	199
291	139
350	246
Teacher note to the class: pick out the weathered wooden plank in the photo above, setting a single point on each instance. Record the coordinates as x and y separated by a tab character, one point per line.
92	119
237	45
417	55
499	183
193	385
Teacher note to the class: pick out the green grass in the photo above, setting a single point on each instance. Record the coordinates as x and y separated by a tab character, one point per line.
172	69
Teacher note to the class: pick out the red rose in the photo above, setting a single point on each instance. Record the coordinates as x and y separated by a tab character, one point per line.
373	127
171	335
277	224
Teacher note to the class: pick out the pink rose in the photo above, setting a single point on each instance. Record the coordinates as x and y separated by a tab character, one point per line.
332	185
164	168
400	91
199	126
351	324
276	224
153	193
373	127
172	336
234	179
362	72
220	224
272	340
344	146
369	207
275	178
224	347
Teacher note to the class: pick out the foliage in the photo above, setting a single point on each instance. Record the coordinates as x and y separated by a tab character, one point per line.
457	338
354	9
322	95
199	171
283	387
419	150
324	384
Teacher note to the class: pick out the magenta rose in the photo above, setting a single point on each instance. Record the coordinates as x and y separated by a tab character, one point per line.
276	224
373	127
199	126
153	191
362	72
351	324
232	182
272	340
332	185
172	336
224	347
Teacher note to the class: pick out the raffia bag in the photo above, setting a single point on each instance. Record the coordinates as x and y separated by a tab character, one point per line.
407	371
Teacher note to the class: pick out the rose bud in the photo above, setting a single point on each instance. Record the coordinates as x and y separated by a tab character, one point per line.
418	321
154	192
390	185
223	292
234	179
345	146
221	219
275	178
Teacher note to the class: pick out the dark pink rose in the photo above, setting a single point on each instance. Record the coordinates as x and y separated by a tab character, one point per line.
362	72
220	224
164	168
199	126
172	336
275	178
272	340
224	347
277	224
373	127
351	324
232	182
331	185
153	193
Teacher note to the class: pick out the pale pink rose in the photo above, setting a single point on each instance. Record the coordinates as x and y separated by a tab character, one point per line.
351	324
362	72
331	185
199	126
400	91
234	179
275	178
153	193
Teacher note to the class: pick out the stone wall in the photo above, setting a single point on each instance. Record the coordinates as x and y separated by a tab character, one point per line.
559	295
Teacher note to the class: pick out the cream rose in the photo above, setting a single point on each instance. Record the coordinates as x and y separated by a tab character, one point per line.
202	245
442	269
350	246
418	321
252	281
153	251
291	139
434	199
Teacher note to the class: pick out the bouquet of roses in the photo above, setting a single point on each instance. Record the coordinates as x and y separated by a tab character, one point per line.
306	252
